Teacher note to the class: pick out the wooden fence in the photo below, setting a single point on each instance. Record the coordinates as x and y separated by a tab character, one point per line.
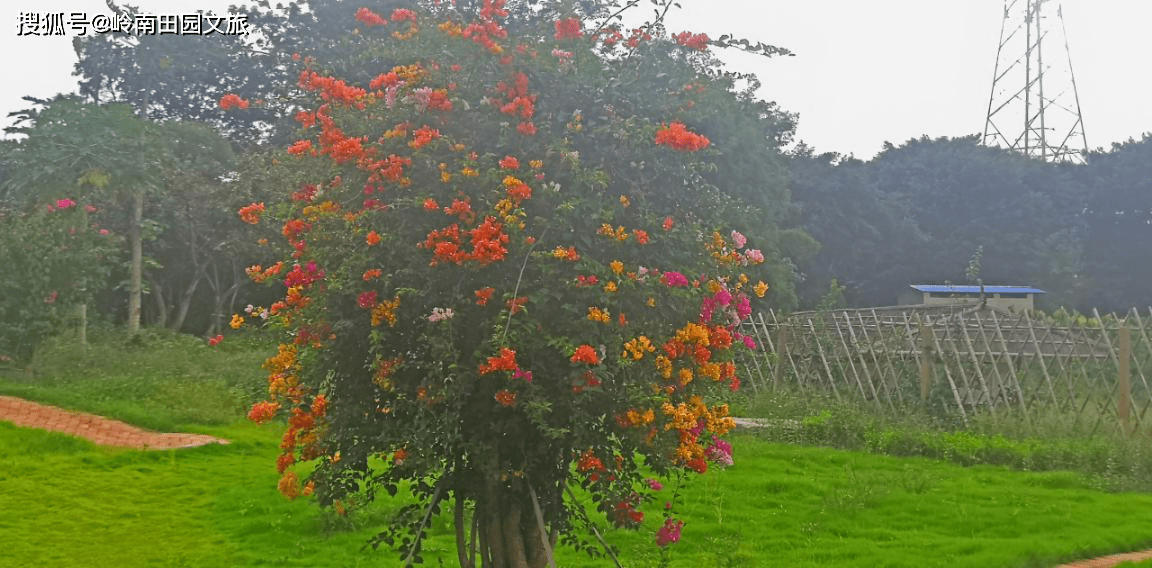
964	361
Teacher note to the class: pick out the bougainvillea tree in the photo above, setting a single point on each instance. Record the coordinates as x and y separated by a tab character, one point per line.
510	283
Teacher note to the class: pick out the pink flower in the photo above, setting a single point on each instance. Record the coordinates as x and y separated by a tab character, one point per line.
720	453
669	533
522	374
723	297
90	208
743	307
654	484
367	300
51	299
749	342
64	203
739	239
754	256
674	279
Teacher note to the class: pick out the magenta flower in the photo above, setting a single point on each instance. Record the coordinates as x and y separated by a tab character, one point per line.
654	484
719	453
674	279
64	203
743	307
669	533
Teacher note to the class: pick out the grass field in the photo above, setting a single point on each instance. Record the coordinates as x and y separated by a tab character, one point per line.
64	502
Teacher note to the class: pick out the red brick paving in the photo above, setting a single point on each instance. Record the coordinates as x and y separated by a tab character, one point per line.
101	431
1110	561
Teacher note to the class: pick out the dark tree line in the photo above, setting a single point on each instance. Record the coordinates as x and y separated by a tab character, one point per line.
917	212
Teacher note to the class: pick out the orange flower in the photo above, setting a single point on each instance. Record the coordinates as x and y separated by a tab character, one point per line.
585	354
505	361
506	397
263	411
370	18
232	100
300	147
373	238
251	213
678	137
483	295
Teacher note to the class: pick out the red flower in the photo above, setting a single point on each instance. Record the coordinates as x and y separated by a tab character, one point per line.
215	340
373	238
510	163
678	137
505	361
232	100
692	41
251	213
263	411
300	147
483	295
585	354
370	18
430	204
568	28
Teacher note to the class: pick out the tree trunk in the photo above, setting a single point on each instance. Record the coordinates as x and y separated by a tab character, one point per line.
161	303
136	240
510	534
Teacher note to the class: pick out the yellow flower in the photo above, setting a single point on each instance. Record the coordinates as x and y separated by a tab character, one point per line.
617	266
625	201
236	322
761	288
610	287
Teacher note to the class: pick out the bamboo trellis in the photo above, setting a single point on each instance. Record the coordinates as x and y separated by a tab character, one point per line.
964	360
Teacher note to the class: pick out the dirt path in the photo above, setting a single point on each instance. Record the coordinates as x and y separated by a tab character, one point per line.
99	430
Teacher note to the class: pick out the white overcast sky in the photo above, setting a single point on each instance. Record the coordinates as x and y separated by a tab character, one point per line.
865	71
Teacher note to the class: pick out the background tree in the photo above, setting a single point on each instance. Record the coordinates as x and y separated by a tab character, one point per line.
113	160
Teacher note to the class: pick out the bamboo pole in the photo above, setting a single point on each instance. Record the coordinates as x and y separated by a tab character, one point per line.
1124	400
827	369
924	359
977	363
1040	359
1012	371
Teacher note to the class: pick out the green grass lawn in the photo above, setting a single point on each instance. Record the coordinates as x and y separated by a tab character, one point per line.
68	503
65	502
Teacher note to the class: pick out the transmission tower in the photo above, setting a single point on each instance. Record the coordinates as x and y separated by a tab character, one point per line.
1034	107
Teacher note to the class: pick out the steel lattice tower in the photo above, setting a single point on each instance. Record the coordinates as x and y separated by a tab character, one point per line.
1034	107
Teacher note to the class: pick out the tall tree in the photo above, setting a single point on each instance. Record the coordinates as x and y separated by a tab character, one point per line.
511	269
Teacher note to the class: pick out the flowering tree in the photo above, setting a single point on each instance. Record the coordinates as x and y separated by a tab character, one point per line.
55	257
507	275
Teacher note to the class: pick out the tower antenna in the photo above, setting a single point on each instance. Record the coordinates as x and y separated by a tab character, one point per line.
1034	107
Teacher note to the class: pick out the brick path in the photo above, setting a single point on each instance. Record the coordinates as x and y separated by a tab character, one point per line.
99	430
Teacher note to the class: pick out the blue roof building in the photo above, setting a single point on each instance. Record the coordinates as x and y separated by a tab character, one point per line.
1009	298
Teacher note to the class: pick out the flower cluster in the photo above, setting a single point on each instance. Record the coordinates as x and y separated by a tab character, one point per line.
678	137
